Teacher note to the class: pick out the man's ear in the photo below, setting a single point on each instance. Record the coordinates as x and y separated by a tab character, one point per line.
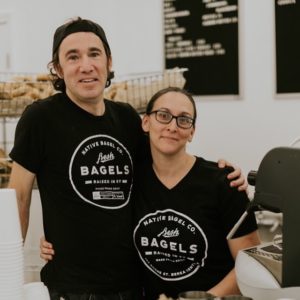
109	63
59	71
145	123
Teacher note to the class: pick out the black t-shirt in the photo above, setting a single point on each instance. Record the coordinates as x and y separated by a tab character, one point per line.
180	233
84	169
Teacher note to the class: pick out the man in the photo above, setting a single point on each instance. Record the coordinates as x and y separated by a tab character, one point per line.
81	149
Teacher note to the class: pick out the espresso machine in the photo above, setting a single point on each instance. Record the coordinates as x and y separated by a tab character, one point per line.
272	270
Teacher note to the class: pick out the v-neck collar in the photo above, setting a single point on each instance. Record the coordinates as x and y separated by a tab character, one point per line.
178	184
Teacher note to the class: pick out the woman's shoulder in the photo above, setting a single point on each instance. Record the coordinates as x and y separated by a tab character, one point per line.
212	169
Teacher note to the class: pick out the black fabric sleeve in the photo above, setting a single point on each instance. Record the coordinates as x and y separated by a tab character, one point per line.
28	146
143	153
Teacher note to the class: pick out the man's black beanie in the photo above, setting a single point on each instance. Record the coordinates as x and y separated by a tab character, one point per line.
78	25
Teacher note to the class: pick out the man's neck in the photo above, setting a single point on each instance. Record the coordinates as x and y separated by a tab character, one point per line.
95	107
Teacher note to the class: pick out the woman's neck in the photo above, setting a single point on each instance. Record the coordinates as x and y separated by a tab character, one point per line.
170	169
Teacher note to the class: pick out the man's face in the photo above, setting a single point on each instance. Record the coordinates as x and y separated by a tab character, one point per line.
84	66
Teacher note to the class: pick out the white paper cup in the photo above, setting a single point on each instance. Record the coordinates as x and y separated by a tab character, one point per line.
10	229
9	245
15	294
35	291
195	295
234	297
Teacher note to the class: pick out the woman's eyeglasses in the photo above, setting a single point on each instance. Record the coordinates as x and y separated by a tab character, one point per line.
165	117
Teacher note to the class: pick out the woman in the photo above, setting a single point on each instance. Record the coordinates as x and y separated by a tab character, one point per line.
184	208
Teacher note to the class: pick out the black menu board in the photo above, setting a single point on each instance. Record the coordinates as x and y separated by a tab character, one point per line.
202	35
287	20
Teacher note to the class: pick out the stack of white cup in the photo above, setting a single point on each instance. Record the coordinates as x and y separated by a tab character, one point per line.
12	285
11	248
35	291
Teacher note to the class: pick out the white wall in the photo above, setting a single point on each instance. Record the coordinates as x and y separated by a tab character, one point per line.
241	130
133	28
244	130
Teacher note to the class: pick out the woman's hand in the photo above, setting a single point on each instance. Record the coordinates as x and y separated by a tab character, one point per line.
236	177
46	249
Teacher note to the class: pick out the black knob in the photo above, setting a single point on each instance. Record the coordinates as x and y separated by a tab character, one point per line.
252	177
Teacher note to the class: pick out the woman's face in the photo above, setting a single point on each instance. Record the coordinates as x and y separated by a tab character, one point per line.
169	138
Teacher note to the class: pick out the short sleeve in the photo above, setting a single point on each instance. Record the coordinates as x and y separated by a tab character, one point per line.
29	145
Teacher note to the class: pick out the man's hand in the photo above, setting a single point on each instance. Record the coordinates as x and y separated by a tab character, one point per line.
236	177
46	249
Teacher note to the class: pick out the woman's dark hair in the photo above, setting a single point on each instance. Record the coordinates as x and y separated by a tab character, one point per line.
164	91
75	25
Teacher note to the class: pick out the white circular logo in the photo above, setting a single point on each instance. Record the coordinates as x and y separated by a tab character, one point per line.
101	172
170	244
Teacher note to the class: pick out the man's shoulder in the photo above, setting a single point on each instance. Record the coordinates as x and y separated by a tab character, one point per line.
40	109
122	109
118	105
46	102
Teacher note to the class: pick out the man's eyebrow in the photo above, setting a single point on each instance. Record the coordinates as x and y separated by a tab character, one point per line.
71	51
95	49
